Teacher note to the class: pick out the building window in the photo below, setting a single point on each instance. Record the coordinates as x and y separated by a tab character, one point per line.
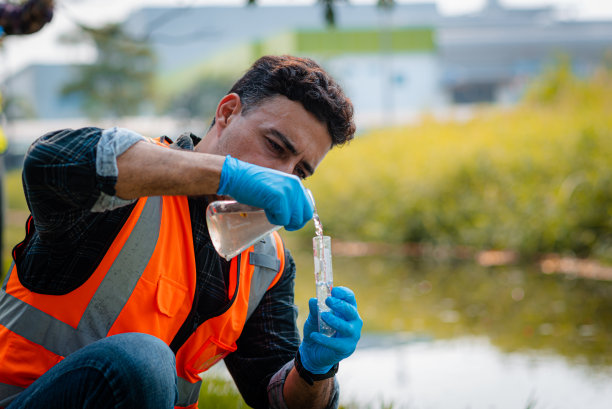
474	93
398	79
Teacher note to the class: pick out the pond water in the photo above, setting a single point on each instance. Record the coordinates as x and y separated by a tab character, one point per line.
468	373
458	335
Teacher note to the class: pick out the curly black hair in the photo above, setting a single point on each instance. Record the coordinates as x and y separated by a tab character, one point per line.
301	80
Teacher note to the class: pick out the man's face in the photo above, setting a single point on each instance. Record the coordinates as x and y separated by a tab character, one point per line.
278	133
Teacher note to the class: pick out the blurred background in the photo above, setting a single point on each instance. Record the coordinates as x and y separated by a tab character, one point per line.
471	214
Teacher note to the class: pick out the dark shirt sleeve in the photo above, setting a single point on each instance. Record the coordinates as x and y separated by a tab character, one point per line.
60	180
269	340
69	173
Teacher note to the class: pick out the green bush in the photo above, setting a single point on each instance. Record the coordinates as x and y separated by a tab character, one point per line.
535	178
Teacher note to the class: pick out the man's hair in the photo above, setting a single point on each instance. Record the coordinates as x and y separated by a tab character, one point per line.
301	80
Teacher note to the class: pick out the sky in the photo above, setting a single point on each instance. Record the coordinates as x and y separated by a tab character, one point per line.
43	47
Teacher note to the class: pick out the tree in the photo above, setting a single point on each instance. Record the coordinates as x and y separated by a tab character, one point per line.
120	80
15	107
330	14
200	100
329	11
386	3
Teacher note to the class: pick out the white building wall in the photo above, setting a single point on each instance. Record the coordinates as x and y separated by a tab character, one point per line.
389	88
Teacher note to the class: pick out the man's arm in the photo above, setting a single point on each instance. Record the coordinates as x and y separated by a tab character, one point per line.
299	394
147	169
95	170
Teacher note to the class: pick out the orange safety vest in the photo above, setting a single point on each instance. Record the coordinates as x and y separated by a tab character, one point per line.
145	283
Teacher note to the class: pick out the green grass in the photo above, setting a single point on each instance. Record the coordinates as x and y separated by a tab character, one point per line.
218	393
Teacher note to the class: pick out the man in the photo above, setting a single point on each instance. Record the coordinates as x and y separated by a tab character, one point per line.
117	250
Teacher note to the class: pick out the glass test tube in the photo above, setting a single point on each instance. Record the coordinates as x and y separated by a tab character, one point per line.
323	278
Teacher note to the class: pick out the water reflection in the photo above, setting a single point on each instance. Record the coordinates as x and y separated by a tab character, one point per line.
482	330
468	373
514	307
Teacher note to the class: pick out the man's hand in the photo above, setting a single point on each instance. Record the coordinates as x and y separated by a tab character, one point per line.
282	196
318	352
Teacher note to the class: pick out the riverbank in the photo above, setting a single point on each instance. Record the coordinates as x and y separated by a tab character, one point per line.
548	263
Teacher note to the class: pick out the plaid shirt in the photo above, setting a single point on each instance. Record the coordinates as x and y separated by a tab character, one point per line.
69	178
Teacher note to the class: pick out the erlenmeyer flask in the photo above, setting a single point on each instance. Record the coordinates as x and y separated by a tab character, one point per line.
234	227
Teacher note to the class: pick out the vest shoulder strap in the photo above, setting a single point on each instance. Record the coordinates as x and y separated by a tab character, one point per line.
267	264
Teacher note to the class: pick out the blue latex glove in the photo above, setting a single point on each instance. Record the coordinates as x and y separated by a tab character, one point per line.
319	352
281	195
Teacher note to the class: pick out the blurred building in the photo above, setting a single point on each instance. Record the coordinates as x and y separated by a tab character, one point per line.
491	55
393	63
36	91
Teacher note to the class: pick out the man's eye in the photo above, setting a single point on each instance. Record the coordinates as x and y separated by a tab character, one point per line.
274	146
300	173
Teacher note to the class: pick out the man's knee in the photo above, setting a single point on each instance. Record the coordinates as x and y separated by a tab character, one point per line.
122	371
145	351
142	365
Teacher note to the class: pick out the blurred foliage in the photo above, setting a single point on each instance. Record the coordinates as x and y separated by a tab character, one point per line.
120	82
15	199
16	107
199	99
329	11
15	215
386	3
535	178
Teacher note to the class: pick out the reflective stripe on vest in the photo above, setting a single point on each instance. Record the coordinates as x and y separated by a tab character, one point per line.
188	393
112	294
267	266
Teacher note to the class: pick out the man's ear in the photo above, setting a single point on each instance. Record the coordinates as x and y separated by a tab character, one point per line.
228	107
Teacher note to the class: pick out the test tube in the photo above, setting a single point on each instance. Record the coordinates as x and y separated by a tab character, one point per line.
323	278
